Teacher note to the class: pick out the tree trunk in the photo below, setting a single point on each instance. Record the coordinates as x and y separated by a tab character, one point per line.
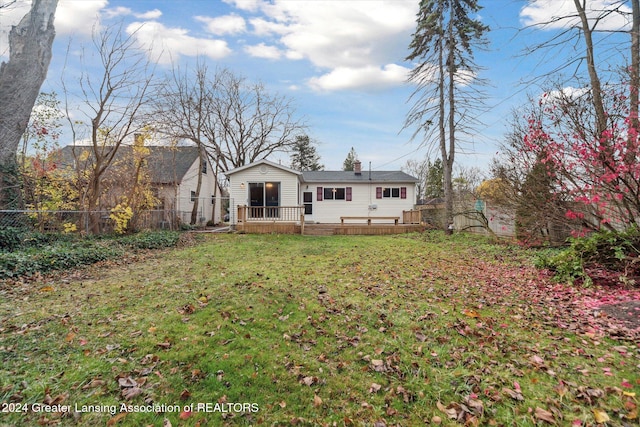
448	157
596	88
196	202
20	81
634	84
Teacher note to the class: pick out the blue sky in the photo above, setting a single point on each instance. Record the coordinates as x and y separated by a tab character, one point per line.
341	61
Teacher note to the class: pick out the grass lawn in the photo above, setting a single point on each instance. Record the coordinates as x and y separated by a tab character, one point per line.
293	330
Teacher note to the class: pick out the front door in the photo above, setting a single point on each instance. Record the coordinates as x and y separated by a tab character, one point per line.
272	199
307	199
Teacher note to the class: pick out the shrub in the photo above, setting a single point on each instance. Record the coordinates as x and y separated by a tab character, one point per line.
11	237
42	253
601	256
59	257
151	239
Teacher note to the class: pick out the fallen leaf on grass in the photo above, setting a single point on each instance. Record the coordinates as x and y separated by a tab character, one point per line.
126	382
600	416
93	384
450	412
116	419
131	392
513	394
374	388
378	365
471	313
544	415
317	401
309	380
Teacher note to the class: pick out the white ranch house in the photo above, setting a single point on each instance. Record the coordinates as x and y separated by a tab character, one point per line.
270	191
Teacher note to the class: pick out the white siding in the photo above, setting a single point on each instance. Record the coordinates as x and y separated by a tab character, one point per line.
363	197
289	186
208	188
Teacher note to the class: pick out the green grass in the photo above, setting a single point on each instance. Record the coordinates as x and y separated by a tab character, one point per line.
343	329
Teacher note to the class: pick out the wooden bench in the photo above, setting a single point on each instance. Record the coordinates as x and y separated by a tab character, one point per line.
369	218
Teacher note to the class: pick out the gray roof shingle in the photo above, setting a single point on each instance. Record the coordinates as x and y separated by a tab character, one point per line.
167	165
351	177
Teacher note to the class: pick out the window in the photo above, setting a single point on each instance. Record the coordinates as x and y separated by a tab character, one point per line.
391	192
334	193
204	167
193	196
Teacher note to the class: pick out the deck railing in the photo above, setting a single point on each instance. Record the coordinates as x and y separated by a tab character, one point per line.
271	214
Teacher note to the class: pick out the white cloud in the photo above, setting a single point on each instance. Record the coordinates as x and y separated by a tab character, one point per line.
76	17
248	5
559	14
228	24
340	34
167	44
150	14
125	11
117	11
263	51
263	27
368	77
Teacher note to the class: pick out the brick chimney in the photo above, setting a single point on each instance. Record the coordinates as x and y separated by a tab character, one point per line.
357	167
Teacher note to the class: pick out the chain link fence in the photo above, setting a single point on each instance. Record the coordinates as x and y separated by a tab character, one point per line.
83	221
86	221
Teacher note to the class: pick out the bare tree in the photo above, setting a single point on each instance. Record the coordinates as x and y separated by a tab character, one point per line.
182	111
418	169
112	100
577	36
248	122
20	81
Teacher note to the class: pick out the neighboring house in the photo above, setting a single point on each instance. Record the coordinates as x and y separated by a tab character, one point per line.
326	195
173	174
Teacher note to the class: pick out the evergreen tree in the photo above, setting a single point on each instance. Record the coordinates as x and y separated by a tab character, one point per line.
350	160
434	186
443	44
305	156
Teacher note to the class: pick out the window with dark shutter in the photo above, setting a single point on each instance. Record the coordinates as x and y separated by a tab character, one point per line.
349	194
378	192
403	192
319	194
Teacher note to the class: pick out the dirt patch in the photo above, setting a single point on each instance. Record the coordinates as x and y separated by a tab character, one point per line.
627	312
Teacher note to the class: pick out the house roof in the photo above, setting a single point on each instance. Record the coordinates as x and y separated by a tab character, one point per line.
166	164
263	162
351	177
334	176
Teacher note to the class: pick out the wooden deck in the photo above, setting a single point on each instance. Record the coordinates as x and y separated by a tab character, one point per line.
290	220
326	229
